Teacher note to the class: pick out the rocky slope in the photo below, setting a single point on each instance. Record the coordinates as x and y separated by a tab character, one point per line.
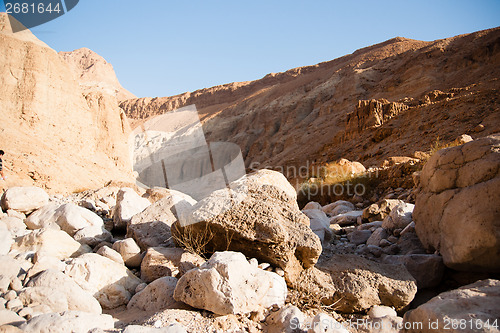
94	72
443	88
55	134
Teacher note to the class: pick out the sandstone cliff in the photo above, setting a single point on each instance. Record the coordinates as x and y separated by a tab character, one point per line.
55	134
419	90
95	73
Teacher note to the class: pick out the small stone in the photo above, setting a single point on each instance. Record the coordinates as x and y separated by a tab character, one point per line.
379	311
254	262
397	232
280	271
140	287
479	128
264	265
358	237
9	296
385	243
14	305
375	250
392	239
26	312
16	284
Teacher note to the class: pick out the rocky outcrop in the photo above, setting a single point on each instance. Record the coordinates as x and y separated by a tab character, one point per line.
266	224
471	308
454	213
228	284
95	73
57	135
372	113
403	86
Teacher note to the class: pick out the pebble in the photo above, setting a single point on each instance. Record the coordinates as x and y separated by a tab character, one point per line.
9	296
14	305
16	284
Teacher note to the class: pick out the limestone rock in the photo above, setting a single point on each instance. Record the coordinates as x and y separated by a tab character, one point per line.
228	284
76	298
319	223
6	241
50	242
24	199
378	211
43	217
72	218
15	225
427	269
68	321
108	252
467	235
379	311
288	319
475	304
130	252
92	235
128	203
312	205
161	261
266	224
358	237
10	317
399	217
362	283
151	227
345	219
157	296
52	300
377	236
333	208
110	283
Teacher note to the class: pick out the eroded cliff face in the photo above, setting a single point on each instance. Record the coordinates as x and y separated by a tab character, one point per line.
93	72
412	91
55	134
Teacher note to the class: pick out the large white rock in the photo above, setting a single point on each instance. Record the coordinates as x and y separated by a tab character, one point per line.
43	217
286	320
228	284
76	298
68	321
130	252
157	296
24	199
15	225
399	217
338	207
456	206
128	204
108	252
6	240
467	309
8	317
111	284
51	300
50	242
72	218
92	235
9	269
319	223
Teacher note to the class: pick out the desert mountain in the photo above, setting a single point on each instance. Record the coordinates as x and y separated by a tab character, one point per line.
94	72
55	134
389	99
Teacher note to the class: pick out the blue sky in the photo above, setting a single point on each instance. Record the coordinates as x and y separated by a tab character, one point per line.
166	47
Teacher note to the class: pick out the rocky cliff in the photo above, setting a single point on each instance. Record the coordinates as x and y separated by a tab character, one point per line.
389	99
55	134
94	72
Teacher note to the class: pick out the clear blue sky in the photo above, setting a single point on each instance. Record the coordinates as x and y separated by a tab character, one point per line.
166	47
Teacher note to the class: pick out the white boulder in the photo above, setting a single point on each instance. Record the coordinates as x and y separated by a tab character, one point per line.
228	284
24	199
128	204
